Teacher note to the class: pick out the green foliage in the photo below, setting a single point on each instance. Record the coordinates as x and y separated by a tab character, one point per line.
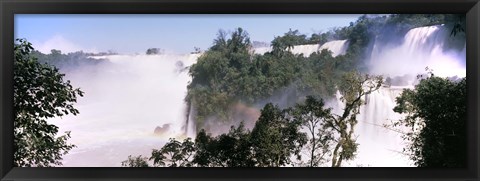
205	148
359	35
353	87
64	61
436	116
320	74
217	73
226	150
137	161
275	137
174	154
401	23
319	38
228	73
313	116
282	44
389	29
40	93
272	142
457	22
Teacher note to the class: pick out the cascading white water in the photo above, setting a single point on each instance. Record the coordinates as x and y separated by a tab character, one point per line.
338	47
126	98
421	47
378	146
306	50
262	50
191	129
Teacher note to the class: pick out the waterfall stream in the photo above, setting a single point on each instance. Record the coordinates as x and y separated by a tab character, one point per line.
127	96
338	47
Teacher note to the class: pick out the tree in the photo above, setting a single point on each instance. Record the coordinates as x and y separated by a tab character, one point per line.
318	38
220	43
279	47
280	44
197	50
457	23
174	154
137	161
313	116
218	73
276	137
204	149
241	153
153	51
353	88
435	115
40	93
65	62
226	150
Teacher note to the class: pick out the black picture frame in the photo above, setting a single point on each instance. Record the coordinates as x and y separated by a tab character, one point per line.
8	8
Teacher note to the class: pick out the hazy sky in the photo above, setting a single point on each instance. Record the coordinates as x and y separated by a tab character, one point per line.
174	33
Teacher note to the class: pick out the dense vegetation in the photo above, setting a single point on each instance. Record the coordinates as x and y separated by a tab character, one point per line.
228	73
66	61
39	93
276	139
436	115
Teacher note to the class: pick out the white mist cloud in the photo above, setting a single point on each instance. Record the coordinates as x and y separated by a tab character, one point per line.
126	98
58	42
422	47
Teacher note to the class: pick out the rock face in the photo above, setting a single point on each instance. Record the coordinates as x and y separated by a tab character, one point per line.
159	130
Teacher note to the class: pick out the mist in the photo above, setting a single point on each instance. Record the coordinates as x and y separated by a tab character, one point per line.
135	103
420	48
126	98
284	97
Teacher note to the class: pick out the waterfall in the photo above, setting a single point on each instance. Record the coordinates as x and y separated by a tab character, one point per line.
190	128
126	98
188	117
338	47
376	141
306	50
262	50
421	47
378	145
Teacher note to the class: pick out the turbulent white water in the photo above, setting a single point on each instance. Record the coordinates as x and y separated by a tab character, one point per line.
338	47
421	47
126	97
379	146
191	129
